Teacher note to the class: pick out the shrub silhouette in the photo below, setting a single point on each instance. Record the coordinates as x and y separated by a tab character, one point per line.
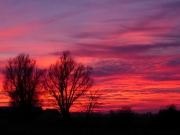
126	116
168	116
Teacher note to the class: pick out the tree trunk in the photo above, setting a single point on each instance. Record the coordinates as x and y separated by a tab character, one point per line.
66	116
87	117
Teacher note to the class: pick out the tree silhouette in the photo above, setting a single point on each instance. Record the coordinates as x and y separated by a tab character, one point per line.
168	116
91	102
66	81
22	81
126	115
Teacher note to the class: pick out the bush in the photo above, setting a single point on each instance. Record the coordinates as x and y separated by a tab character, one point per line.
168	116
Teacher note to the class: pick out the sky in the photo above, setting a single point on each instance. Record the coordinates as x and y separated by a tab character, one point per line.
132	45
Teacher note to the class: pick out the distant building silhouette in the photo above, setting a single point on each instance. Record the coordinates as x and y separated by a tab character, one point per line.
14	112
50	113
6	108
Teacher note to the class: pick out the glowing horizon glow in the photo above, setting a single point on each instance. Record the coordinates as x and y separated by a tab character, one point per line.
133	45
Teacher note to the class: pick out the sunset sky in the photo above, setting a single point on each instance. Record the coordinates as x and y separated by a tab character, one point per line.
133	45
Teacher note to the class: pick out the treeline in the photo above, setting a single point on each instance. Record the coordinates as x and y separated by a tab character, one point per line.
168	117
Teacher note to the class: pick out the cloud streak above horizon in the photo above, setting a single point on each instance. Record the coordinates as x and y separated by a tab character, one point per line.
133	45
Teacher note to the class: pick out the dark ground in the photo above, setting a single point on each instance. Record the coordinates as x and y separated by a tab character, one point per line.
96	126
126	122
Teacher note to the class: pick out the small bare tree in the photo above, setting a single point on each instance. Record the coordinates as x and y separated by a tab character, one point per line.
66	81
22	81
91	103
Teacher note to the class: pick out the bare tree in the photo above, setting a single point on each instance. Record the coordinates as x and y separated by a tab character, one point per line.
66	81
22	81
91	103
